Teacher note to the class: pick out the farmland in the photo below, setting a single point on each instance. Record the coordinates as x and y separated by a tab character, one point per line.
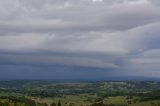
80	93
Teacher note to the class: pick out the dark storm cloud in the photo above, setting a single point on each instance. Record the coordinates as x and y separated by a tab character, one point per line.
105	37
53	61
156	2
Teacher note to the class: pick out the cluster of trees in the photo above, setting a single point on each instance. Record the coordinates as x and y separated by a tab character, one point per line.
52	104
115	93
17	101
102	104
154	95
22	101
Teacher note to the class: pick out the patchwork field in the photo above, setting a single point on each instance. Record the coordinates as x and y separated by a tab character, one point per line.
104	93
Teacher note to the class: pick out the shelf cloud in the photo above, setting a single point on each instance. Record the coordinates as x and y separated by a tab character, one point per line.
61	39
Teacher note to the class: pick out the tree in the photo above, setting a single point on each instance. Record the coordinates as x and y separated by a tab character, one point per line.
15	104
53	104
59	103
1	103
5	104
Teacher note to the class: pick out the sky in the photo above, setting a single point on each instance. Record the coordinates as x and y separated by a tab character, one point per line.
79	39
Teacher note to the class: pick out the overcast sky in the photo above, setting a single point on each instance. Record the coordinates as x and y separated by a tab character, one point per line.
79	39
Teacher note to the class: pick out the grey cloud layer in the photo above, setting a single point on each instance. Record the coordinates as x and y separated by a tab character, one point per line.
122	34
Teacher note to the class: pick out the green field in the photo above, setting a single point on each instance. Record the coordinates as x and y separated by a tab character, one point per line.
104	93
